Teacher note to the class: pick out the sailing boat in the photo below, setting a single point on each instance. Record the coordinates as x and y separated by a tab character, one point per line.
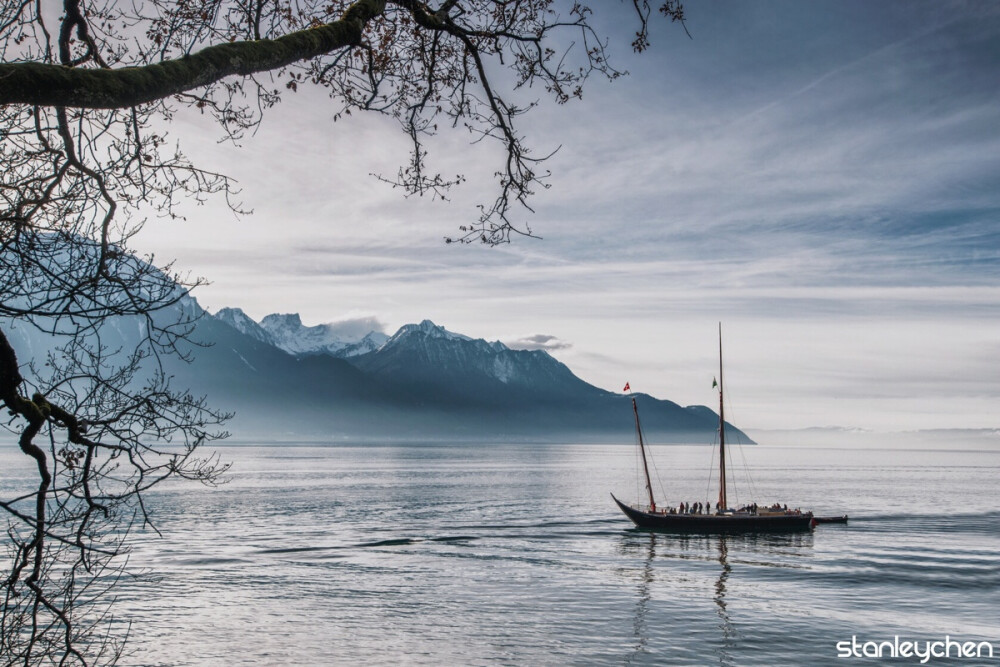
724	520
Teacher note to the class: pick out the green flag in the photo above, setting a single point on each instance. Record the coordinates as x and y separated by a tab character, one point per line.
714	383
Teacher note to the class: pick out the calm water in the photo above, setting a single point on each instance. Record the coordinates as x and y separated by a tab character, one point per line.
505	554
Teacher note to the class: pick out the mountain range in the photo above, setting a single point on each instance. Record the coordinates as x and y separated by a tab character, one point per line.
288	381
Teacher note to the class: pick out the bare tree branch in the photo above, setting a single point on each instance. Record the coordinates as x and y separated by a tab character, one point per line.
44	84
85	110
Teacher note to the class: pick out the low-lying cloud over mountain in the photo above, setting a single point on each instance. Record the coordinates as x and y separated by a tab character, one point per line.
539	342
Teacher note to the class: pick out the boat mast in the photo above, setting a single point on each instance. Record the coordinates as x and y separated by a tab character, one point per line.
722	434
645	466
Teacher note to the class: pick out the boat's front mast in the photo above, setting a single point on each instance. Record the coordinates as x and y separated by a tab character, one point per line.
722	434
642	449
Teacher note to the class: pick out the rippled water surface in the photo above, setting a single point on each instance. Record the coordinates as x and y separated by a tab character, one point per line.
505	554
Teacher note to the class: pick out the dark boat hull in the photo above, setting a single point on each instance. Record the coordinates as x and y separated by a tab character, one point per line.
831	519
712	523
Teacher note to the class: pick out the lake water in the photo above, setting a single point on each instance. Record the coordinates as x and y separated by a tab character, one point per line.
516	555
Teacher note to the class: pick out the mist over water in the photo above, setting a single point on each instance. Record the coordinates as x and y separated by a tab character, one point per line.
515	554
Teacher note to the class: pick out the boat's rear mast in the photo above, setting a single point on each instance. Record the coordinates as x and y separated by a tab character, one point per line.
642	449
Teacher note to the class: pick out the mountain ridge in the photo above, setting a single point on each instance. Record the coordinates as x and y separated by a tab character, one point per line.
486	390
423	383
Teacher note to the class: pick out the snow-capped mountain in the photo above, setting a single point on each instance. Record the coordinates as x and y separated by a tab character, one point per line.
243	323
425	329
428	353
286	332
371	342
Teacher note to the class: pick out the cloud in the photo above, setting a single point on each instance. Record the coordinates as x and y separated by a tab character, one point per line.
356	327
539	342
893	145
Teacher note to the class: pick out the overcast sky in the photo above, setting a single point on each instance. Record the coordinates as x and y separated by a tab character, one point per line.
821	177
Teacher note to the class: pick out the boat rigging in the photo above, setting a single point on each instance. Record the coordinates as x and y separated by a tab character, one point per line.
724	519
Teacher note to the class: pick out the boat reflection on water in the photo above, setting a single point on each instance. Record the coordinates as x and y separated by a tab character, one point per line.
640	628
725	624
671	617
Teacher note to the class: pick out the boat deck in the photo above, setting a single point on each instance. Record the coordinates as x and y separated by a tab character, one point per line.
729	522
